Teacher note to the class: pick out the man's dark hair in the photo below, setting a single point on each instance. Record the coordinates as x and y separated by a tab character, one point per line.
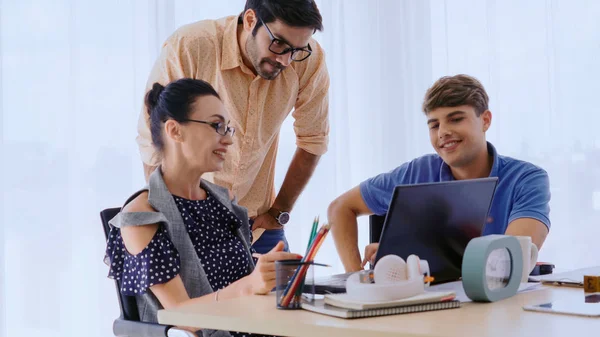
451	91
294	13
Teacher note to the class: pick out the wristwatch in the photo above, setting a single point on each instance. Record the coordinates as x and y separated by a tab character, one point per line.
281	217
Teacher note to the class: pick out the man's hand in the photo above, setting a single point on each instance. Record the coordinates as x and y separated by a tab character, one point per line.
370	252
266	221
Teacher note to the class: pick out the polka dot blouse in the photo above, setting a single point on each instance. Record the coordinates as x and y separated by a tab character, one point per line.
212	229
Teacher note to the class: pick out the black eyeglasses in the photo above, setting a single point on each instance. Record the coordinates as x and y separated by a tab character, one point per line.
280	47
220	127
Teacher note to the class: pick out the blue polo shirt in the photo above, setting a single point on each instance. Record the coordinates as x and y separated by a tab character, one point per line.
523	189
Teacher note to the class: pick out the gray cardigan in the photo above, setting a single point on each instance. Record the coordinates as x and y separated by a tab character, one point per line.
192	273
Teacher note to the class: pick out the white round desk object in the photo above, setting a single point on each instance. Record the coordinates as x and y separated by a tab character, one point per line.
390	269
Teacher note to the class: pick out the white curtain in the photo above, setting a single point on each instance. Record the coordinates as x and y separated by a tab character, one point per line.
73	76
72	81
538	61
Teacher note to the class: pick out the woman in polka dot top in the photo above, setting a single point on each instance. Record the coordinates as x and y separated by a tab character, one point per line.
145	250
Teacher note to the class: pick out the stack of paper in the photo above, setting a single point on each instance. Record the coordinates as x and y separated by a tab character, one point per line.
457	287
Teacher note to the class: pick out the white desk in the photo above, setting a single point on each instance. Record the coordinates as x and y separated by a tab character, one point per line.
505	318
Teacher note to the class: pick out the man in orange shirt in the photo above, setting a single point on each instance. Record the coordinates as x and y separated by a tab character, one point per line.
264	64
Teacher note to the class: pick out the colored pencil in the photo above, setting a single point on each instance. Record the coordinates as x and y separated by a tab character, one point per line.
292	287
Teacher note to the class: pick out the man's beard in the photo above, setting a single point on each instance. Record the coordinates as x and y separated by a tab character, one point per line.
258	65
278	67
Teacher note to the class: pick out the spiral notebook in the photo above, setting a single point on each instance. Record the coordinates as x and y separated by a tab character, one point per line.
319	306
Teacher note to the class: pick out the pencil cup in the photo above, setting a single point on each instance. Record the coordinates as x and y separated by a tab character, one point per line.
293	278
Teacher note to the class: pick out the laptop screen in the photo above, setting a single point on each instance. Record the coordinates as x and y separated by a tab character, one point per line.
436	221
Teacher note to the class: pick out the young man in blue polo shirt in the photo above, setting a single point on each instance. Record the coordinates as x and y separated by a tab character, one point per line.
457	114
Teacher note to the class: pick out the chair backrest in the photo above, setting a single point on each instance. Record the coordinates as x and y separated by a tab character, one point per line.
375	227
128	304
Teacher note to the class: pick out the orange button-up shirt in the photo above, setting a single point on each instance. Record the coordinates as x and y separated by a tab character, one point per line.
209	50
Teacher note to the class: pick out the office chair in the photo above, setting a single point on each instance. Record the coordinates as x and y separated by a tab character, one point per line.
375	227
128	324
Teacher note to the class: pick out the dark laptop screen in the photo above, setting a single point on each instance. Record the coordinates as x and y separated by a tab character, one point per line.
436	221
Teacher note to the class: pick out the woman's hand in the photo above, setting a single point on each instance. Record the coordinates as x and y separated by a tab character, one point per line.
262	279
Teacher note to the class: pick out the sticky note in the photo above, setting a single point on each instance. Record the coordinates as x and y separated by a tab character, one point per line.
591	284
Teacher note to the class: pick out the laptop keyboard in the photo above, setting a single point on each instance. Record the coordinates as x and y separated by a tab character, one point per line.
333	284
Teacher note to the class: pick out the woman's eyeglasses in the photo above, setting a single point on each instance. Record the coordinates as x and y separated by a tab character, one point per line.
220	127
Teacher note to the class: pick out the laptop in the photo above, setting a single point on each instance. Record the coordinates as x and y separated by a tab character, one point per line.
434	221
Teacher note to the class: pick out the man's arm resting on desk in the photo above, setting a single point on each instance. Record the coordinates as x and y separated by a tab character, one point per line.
528	227
531	203
342	214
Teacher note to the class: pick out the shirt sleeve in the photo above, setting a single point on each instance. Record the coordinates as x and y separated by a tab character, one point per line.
157	263
377	192
532	198
311	111
178	59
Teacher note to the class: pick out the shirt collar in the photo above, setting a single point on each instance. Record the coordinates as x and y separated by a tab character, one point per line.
446	174
230	50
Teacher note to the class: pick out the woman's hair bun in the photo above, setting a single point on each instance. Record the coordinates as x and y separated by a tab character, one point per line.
153	96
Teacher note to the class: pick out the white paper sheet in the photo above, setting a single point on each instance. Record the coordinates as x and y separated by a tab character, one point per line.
457	287
570	277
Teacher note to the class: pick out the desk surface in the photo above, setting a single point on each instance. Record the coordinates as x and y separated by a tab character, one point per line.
504	318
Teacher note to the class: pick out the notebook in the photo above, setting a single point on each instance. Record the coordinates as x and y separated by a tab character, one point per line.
348	302
319	306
